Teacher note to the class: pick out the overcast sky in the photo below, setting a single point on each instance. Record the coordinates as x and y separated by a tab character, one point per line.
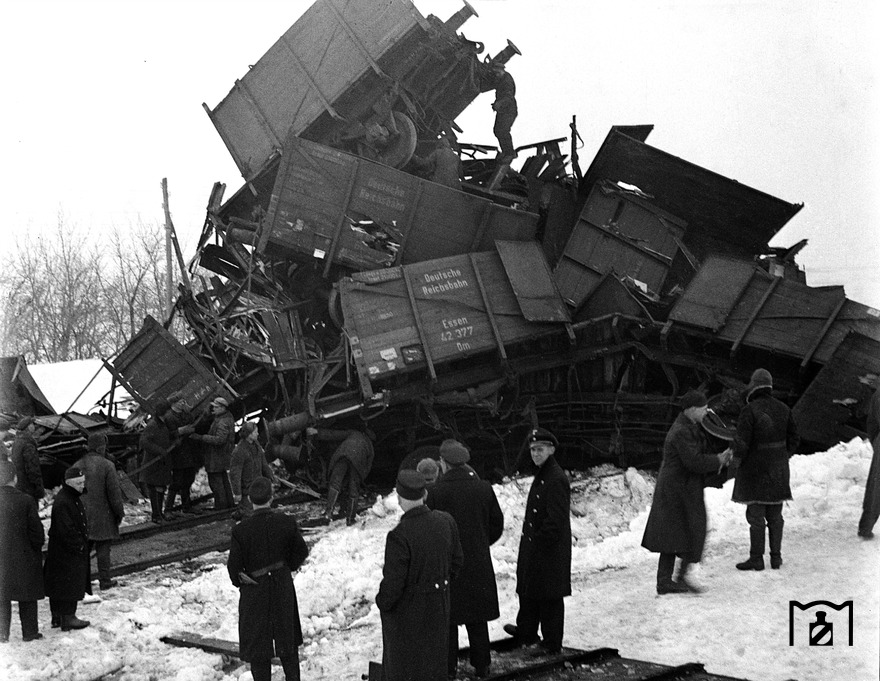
103	100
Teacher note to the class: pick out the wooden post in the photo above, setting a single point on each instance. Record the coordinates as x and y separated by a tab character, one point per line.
169	265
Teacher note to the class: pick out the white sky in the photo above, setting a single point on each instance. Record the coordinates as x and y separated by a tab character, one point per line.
103	100
739	627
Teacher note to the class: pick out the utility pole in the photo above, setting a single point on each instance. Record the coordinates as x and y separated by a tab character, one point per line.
169	265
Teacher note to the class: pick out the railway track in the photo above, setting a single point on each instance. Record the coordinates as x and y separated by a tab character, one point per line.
147	545
510	663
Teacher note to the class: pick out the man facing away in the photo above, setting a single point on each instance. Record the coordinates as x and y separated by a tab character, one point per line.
21	558
422	555
765	438
266	547
103	503
543	566
473	593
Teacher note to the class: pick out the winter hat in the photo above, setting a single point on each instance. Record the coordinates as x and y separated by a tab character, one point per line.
7	472
24	422
260	490
220	402
179	407
410	485
452	451
429	470
542	436
97	441
247	428
761	378
74	472
693	398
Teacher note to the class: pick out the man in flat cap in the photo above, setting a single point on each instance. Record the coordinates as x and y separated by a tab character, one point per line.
103	503
21	556
266	547
220	440
27	459
766	436
473	593
677	521
422	555
247	464
543	566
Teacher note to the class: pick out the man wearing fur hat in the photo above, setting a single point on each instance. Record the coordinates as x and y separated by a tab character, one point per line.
266	547
103	503
677	522
543	565
473	593
422	556
765	438
27	459
21	558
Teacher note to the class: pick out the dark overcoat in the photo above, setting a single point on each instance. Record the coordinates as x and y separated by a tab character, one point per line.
422	555
26	459
543	566
102	497
871	500
473	505
185	453
155	442
248	463
677	521
356	448
67	571
268	612
21	547
219	442
766	436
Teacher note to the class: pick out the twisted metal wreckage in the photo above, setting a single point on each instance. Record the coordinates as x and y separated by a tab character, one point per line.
340	285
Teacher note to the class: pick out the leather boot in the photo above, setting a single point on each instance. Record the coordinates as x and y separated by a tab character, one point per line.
169	503
352	512
665	585
56	620
69	622
774	530
332	495
756	552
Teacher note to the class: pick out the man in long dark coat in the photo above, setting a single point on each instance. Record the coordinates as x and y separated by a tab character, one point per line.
21	557
766	436
871	501
184	458
248	463
543	566
102	499
156	441
266	547
67	572
27	459
677	522
422	555
473	594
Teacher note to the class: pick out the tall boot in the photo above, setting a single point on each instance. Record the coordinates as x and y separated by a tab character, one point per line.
665	585
169	501
774	530
352	511
756	552
156	497
332	495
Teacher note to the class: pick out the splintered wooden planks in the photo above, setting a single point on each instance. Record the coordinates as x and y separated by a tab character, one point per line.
428	314
364	215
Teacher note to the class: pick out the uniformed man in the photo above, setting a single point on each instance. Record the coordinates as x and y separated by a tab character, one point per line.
543	566
422	555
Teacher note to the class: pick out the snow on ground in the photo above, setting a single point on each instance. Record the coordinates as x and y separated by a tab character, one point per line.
739	626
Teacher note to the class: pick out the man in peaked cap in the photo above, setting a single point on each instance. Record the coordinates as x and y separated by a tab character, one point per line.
766	436
543	566
473	594
422	555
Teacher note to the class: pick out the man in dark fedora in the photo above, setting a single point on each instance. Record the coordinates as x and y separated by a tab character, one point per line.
677	522
543	566
266	547
766	436
473	593
422	555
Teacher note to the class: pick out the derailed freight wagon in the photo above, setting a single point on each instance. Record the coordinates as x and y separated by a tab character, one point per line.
364	76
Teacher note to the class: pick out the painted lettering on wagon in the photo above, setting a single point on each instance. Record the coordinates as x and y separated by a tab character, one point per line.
442	281
456	329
